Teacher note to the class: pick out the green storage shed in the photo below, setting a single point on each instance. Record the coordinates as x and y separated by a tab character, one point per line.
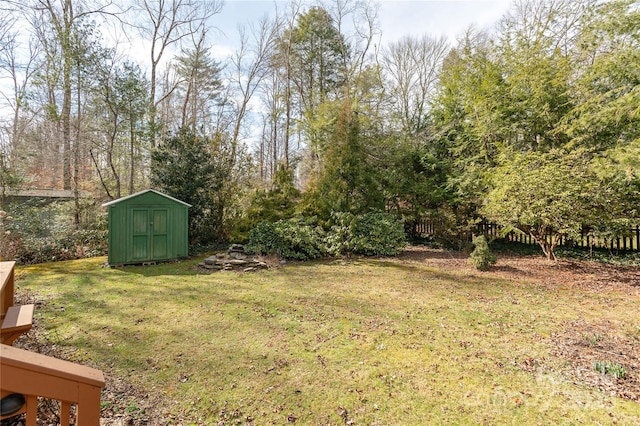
148	226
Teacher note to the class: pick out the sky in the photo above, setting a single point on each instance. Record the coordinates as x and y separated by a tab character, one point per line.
396	17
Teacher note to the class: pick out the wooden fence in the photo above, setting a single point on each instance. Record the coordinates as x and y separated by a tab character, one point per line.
630	241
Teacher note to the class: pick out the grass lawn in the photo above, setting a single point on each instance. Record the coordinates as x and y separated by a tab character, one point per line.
363	341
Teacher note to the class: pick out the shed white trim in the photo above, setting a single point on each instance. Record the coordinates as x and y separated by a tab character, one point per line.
128	197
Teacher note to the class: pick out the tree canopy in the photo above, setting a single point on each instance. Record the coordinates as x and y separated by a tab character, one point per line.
533	123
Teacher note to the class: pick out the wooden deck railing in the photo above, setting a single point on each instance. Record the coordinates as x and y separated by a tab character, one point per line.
6	287
32	375
14	320
35	375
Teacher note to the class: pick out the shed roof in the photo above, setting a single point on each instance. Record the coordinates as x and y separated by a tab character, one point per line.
128	197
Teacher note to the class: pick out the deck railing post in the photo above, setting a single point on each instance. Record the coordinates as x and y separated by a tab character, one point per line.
88	409
6	286
32	410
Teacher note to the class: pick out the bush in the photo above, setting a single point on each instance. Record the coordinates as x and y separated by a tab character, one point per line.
76	245
277	203
481	257
375	233
263	239
371	234
289	239
46	233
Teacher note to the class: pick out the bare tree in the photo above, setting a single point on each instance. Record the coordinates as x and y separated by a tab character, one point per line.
281	63
63	19
249	68
545	24
273	149
20	72
358	22
411	65
165	23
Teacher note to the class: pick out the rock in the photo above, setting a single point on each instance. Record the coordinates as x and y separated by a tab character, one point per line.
236	248
233	259
237	262
237	255
208	266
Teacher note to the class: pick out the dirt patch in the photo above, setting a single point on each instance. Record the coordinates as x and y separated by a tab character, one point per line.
588	276
588	348
581	344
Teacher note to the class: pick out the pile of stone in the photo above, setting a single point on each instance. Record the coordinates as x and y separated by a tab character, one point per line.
234	259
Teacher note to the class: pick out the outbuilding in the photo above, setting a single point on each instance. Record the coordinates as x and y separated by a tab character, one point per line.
147	226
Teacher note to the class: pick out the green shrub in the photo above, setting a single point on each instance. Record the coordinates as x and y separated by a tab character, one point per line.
46	233
76	245
375	233
263	239
613	369
341	233
481	257
289	239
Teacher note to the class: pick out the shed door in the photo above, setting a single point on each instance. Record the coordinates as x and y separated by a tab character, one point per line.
150	237
159	234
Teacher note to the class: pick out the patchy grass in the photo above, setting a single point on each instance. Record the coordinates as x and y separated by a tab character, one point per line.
373	341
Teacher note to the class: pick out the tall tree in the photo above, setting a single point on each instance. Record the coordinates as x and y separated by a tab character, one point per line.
535	45
165	24
348	181
199	86
411	65
318	57
20	69
467	114
119	106
62	39
250	66
181	167
607	91
281	63
319	54
68	34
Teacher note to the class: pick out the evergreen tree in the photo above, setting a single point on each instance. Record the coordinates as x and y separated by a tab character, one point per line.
181	167
348	180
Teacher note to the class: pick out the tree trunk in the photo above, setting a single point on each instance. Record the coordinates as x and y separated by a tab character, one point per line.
66	124
548	248
132	140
